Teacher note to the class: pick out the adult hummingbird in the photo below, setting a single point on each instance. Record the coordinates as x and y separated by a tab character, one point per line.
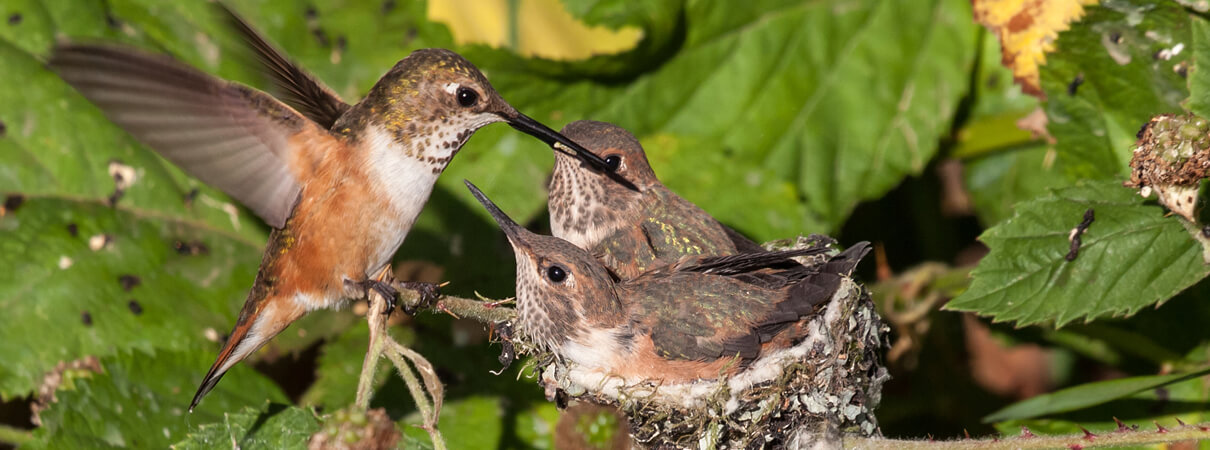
340	195
629	228
695	319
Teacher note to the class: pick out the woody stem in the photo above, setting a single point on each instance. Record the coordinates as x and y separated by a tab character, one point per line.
369	367
478	310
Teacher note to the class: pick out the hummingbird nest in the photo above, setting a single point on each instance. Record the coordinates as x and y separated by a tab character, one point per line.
812	393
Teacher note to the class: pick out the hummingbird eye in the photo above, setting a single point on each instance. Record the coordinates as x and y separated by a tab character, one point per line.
613	162
467	97
556	274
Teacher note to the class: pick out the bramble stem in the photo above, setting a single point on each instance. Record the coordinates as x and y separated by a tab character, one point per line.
1126	437
382	343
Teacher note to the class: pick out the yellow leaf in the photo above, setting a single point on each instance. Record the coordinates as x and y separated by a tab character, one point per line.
1027	31
544	28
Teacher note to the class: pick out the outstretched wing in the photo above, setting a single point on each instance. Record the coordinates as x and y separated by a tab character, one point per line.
299	89
226	134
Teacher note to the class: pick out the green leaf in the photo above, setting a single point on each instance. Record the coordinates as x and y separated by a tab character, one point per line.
1115	53
142	400
472	422
1199	75
1132	256
53	276
999	182
269	426
814	106
1086	395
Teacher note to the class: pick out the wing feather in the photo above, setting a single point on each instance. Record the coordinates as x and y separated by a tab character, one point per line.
299	89
225	134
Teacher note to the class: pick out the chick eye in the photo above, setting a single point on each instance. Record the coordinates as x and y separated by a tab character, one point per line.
556	274
467	97
613	162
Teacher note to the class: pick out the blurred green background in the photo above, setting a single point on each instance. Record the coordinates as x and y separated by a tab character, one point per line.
888	121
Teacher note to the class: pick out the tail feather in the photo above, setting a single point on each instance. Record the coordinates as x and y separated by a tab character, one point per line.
259	321
812	291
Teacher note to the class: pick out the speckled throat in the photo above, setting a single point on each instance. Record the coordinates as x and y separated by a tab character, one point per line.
546	321
581	210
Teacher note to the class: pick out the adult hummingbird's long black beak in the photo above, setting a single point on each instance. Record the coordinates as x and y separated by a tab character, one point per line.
516	233
561	143
534	128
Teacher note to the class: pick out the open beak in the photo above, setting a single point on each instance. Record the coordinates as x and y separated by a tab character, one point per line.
516	233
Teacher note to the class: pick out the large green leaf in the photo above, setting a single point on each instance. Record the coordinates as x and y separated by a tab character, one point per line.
1107	77
810	107
1132	256
141	400
269	426
53	276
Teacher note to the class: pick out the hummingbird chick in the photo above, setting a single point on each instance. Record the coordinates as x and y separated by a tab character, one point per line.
630	229
701	318
340	185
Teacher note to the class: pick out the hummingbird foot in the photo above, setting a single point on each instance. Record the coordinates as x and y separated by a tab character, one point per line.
386	290
429	293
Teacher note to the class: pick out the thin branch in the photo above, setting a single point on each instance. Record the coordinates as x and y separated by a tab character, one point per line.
429	404
481	310
1124	436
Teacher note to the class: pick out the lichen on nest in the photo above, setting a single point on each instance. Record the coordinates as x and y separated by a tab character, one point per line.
826	385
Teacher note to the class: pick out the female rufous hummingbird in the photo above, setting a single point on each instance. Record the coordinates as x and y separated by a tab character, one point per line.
629	228
340	192
699	318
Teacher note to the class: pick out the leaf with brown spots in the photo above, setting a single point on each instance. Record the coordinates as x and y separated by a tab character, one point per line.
1027	31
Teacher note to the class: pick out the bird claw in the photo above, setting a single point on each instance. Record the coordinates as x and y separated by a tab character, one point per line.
429	293
386	290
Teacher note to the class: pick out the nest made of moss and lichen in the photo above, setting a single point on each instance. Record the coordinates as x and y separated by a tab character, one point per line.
828	383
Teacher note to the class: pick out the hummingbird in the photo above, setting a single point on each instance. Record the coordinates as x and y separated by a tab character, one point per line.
340	194
629	228
698	318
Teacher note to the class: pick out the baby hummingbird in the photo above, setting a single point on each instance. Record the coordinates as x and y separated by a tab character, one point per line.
629	228
698	319
340	192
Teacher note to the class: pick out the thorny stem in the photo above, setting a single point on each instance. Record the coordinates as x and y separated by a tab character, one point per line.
422	403
477	310
370	366
1123	437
